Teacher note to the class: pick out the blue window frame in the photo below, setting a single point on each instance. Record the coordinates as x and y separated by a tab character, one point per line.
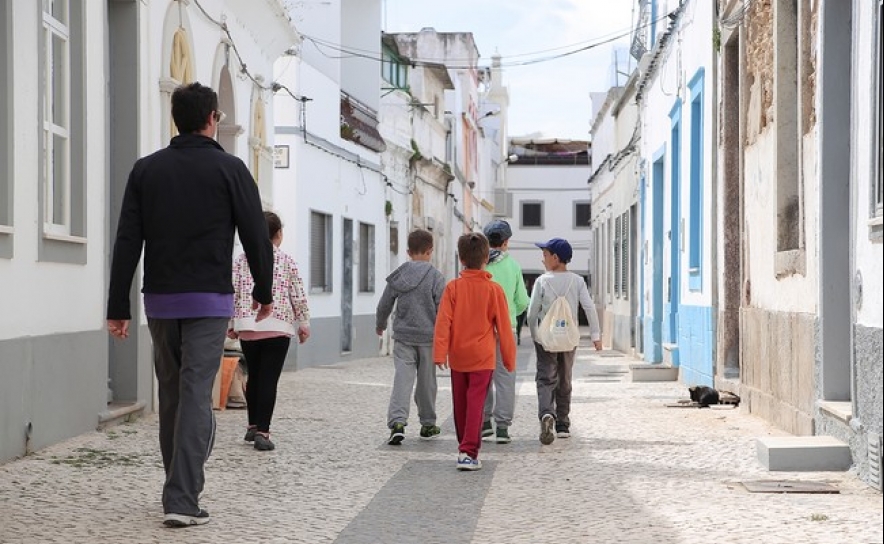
695	234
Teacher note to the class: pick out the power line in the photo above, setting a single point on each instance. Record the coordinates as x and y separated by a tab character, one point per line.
350	52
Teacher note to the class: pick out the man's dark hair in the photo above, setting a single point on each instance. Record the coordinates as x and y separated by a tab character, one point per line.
274	223
191	106
420	241
473	250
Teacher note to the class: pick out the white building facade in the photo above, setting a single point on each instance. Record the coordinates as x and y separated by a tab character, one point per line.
546	183
86	93
615	186
329	188
675	97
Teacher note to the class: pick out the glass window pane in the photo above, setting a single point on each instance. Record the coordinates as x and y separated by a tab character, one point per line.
59	179
58	9
58	68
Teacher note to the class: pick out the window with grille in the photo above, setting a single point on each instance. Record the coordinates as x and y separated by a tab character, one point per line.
618	233
532	215
581	215
320	252
625	233
366	258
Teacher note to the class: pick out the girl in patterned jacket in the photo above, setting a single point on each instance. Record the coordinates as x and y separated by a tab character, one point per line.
265	344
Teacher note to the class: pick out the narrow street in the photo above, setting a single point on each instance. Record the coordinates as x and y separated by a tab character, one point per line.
634	471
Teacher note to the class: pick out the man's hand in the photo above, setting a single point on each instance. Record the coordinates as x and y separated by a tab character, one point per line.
232	334
597	344
264	310
443	365
118	328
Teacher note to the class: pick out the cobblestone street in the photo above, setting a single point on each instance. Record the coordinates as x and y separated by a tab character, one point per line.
633	471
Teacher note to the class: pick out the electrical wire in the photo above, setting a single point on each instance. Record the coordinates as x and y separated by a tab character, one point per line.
349	52
223	26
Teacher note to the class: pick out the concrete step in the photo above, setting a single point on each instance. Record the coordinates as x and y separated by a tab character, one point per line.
803	453
120	412
653	372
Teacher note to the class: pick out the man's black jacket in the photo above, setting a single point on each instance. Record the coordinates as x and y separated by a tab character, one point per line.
183	205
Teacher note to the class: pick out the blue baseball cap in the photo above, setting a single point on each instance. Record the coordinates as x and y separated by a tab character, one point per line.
558	247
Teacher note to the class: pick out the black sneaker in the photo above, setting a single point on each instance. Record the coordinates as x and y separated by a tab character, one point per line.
502	436
547	433
263	443
429	432
397	434
250	434
185	520
562	430
487	429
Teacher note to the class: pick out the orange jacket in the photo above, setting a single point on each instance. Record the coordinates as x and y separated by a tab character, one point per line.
473	314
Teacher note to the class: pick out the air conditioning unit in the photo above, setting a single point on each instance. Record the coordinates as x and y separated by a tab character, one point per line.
503	203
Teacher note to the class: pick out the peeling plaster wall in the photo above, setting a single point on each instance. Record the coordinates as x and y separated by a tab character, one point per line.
779	324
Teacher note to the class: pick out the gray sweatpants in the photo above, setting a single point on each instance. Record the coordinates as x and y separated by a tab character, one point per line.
187	354
500	403
554	383
410	363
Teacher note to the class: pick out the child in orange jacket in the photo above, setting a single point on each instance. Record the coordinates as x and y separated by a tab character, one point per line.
472	316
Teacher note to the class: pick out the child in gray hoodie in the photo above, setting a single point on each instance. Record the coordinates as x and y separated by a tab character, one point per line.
415	288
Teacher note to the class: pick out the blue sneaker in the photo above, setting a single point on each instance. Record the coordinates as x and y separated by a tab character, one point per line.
465	462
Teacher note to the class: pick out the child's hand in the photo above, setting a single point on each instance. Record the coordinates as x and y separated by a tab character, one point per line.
510	368
443	365
380	332
597	344
232	334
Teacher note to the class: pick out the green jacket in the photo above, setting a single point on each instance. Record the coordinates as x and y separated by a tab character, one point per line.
508	274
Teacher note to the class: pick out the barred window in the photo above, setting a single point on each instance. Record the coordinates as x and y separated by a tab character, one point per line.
366	258
320	252
581	215
532	214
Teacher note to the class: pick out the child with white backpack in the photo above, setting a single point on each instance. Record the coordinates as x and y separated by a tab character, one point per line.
552	319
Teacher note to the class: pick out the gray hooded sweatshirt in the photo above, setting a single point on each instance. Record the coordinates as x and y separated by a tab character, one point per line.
416	289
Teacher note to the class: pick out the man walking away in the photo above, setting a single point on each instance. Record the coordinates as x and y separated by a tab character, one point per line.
182	205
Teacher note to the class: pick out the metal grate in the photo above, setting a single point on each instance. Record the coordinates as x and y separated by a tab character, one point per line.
874	449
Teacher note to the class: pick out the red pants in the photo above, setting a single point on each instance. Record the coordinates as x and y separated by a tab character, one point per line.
468	390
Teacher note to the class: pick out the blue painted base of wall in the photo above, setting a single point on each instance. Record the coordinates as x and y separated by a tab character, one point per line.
696	345
653	351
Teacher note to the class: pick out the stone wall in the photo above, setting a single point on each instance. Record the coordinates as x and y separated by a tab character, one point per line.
777	353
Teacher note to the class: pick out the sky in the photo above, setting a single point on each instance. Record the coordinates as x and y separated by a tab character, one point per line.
548	99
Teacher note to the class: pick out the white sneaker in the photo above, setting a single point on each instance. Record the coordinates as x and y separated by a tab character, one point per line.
465	462
547	429
185	520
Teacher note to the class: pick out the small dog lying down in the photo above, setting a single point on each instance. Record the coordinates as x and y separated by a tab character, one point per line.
705	396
